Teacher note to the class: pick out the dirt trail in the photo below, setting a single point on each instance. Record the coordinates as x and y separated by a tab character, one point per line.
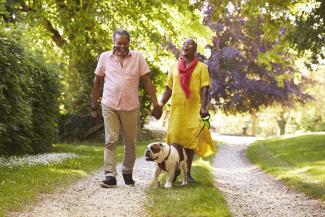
87	198
251	192
247	189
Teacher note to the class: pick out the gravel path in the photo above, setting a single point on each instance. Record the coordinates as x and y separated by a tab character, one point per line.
251	192
248	191
87	198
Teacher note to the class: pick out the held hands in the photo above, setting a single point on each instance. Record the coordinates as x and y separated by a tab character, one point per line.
157	111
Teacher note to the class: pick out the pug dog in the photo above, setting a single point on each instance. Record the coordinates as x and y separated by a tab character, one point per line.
168	158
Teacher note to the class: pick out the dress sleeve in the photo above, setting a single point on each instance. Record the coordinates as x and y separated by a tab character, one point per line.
205	78
100	69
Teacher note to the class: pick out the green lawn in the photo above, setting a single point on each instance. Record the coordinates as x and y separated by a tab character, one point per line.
21	185
299	161
198	199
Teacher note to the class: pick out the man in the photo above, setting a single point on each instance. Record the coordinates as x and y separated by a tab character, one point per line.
188	84
121	69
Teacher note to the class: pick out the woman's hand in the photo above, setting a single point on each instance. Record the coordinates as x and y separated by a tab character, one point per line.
204	112
157	111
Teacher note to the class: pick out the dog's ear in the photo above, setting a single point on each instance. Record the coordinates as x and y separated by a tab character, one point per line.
155	148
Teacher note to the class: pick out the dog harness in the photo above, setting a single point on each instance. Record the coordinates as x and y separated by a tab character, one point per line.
162	165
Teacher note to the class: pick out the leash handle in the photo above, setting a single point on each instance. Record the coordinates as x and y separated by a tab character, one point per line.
206	121
206	118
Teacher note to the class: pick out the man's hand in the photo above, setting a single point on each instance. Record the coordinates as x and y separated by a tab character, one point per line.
157	111
204	112
94	98
95	115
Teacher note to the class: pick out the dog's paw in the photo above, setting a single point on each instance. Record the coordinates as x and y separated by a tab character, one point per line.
184	183
168	185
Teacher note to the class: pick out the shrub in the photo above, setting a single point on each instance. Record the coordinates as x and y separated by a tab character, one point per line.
29	91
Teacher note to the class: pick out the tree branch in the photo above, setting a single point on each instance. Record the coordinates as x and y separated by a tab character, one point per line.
57	38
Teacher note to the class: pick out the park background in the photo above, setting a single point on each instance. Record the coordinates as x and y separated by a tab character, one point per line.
265	59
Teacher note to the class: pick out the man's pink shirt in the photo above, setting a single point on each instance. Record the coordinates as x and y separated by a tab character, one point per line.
121	84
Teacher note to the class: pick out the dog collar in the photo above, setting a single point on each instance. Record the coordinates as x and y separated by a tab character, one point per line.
162	165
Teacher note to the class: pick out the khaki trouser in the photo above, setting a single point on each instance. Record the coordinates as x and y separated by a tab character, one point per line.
115	120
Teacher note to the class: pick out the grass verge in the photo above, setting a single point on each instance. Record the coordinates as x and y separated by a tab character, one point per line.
299	161
21	185
196	199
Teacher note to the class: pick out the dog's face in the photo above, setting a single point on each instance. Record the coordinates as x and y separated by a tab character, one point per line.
167	158
153	151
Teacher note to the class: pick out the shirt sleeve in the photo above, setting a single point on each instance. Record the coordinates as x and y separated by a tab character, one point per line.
100	69
144	68
169	81
205	78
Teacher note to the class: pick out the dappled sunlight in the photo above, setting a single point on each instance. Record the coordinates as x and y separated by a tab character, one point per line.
320	163
68	171
33	160
202	163
288	136
234	139
201	198
97	149
302	175
79	148
318	171
298	160
298	171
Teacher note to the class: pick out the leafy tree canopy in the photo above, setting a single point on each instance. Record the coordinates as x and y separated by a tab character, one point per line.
83	29
251	65
309	31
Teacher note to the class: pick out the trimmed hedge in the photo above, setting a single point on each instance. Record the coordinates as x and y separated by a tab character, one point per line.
29	106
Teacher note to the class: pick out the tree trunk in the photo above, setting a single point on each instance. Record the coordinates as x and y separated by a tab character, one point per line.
282	122
282	127
254	121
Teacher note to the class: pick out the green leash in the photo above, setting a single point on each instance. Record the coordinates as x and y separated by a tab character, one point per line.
206	123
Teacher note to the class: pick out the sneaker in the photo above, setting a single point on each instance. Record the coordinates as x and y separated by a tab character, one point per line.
109	182
190	179
128	179
176	174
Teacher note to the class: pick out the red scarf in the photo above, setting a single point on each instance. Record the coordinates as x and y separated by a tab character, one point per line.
185	74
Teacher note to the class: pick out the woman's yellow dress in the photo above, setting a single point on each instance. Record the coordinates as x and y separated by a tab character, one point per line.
185	124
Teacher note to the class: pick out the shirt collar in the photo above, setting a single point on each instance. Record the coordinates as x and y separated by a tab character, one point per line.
111	54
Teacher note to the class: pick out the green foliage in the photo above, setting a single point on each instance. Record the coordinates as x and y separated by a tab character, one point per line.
45	105
311	116
3	10
309	31
84	29
313	124
145	104
29	91
299	161
78	31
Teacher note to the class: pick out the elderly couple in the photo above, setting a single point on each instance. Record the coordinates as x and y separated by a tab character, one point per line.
187	84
